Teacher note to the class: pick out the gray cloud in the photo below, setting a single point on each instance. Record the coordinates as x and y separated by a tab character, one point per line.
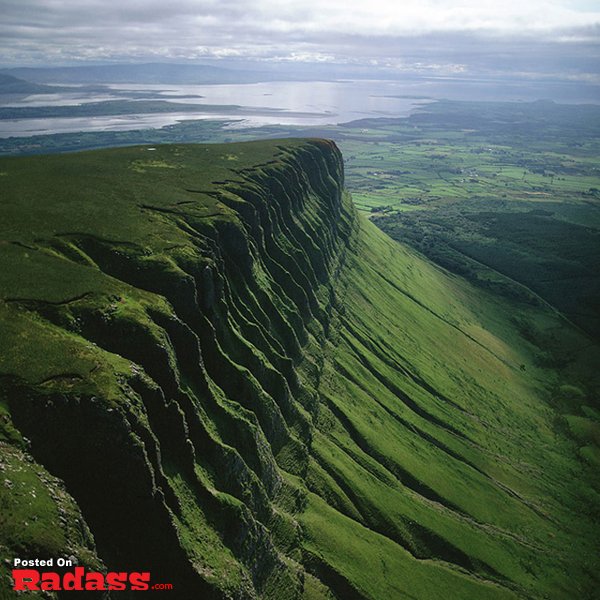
540	36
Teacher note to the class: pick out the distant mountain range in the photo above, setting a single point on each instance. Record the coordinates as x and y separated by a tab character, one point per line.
150	73
14	85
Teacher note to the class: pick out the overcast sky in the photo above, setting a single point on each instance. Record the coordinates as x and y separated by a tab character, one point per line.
438	36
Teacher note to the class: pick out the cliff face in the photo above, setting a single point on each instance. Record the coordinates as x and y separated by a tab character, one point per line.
251	393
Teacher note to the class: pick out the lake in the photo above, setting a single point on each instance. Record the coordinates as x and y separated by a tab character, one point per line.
283	102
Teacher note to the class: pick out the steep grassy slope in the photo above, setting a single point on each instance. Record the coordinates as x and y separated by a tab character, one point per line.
253	393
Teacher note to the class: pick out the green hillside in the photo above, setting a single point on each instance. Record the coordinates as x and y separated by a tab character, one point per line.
252	392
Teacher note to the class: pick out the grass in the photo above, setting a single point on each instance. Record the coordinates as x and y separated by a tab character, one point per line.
378	568
301	406
503	194
494	464
38	518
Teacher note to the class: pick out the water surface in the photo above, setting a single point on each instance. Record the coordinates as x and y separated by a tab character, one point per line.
283	102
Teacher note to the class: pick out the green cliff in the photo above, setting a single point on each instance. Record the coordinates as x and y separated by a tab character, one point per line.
251	392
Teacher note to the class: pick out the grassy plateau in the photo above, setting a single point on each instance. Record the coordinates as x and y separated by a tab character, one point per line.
214	367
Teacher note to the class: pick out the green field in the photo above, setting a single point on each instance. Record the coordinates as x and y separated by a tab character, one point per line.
211	339
505	195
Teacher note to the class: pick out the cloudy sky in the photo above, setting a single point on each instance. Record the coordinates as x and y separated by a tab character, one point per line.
443	37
